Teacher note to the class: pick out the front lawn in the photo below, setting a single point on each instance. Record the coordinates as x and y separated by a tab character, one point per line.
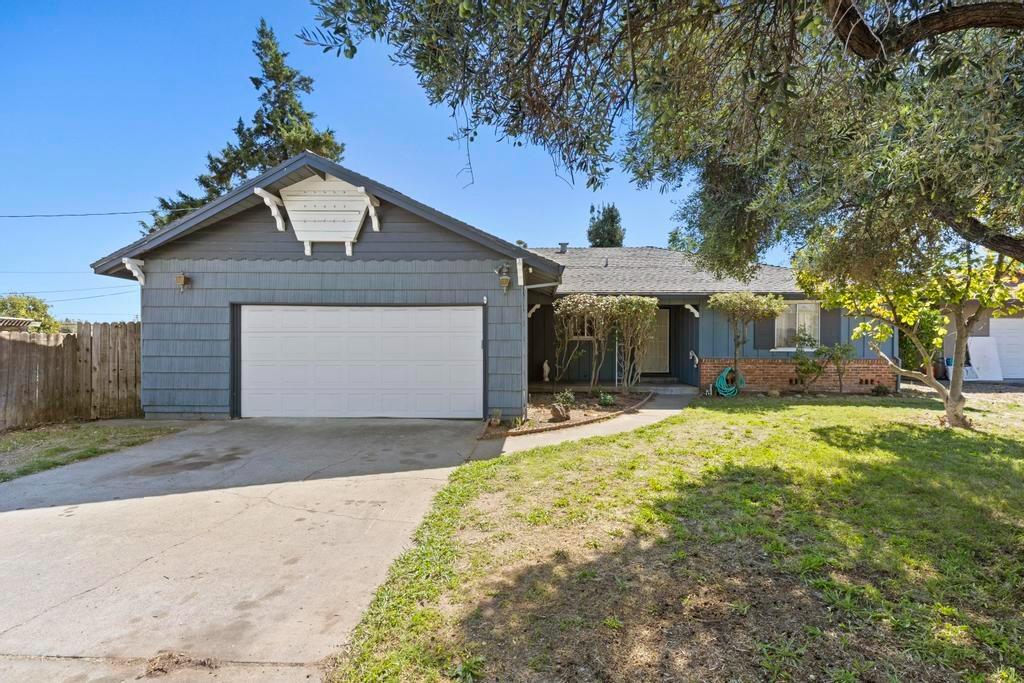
834	539
28	451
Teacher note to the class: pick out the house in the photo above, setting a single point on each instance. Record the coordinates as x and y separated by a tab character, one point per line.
694	343
312	290
995	349
9	324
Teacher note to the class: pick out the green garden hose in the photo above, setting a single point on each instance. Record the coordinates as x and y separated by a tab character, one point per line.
723	387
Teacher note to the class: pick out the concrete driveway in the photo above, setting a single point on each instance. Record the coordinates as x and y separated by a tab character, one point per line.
256	543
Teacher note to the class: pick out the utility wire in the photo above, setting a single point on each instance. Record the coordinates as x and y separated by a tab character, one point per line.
79	298
77	289
46	272
96	213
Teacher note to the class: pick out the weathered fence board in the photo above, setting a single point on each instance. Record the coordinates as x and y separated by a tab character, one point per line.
93	373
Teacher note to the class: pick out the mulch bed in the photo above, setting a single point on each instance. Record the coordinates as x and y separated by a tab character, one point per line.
586	410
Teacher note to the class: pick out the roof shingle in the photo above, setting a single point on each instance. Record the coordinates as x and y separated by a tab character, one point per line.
654	270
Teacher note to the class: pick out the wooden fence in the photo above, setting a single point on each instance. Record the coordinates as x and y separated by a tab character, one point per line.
93	373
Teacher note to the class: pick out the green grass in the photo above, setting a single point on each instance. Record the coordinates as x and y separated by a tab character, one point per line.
842	538
29	451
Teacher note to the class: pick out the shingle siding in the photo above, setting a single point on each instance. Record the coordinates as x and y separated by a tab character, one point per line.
252	234
186	335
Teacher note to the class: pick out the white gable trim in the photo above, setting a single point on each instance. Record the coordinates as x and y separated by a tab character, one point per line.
274	203
134	267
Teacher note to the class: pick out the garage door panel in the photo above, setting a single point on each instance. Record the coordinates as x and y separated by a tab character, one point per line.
322	361
331	319
297	318
363	347
395	319
327	376
1009	336
261	321
464	377
328	345
464	320
465	346
364	319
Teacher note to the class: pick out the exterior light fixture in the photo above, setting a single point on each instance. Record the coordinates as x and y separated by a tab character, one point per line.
504	278
183	281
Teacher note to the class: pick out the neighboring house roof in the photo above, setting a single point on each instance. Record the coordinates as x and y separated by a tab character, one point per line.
16	323
298	168
654	270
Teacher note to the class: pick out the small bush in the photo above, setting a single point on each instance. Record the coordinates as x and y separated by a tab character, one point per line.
605	399
565	398
881	390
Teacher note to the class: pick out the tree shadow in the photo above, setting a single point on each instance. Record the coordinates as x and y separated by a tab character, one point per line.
767	405
889	566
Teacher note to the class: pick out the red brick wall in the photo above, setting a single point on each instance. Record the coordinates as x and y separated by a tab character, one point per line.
764	374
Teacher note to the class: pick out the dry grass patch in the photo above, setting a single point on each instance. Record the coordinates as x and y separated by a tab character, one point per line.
27	451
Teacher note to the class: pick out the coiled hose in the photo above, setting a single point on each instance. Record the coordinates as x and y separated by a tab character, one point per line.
723	387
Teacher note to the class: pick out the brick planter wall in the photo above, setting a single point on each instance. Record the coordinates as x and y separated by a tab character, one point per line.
763	374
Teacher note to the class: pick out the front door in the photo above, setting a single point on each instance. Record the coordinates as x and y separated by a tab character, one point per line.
656	360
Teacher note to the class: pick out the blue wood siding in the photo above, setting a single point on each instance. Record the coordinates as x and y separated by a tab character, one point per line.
716	338
253	234
186	347
709	335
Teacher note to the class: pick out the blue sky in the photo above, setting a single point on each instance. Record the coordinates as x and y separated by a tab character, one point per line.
109	104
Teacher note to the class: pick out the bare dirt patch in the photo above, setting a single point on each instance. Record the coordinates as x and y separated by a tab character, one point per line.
168	661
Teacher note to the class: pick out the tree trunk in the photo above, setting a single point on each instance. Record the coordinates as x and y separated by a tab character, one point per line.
737	343
955	400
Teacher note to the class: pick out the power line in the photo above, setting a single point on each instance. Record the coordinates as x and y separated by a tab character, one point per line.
94	213
79	298
46	272
77	289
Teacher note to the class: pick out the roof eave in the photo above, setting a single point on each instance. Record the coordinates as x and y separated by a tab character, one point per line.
112	262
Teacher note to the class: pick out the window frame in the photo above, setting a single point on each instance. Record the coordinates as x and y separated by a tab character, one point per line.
817	335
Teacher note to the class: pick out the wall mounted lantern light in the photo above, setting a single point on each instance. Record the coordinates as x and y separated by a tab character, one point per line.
504	276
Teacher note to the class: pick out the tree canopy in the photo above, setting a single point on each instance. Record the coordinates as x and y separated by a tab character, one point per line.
930	292
794	116
25	306
742	309
605	228
281	128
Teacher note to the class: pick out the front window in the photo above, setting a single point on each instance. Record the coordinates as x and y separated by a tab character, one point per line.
799	319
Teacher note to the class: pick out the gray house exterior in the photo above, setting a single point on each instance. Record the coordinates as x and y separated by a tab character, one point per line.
695	331
234	256
313	290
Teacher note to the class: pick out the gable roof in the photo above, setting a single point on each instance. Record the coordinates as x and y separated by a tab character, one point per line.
300	167
654	270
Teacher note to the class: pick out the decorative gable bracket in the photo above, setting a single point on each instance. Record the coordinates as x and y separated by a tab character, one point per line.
134	267
372	204
273	203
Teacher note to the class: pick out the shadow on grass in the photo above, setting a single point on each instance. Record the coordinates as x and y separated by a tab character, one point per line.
900	558
758	404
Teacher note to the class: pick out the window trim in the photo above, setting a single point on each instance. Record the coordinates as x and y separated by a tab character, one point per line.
792	349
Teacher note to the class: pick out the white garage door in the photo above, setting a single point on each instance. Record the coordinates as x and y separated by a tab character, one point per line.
333	361
1009	336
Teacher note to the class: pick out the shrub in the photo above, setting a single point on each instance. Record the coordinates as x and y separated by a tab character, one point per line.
881	390
635	317
566	398
605	399
808	368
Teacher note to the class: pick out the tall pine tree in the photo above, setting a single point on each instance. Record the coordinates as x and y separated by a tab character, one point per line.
605	226
280	128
